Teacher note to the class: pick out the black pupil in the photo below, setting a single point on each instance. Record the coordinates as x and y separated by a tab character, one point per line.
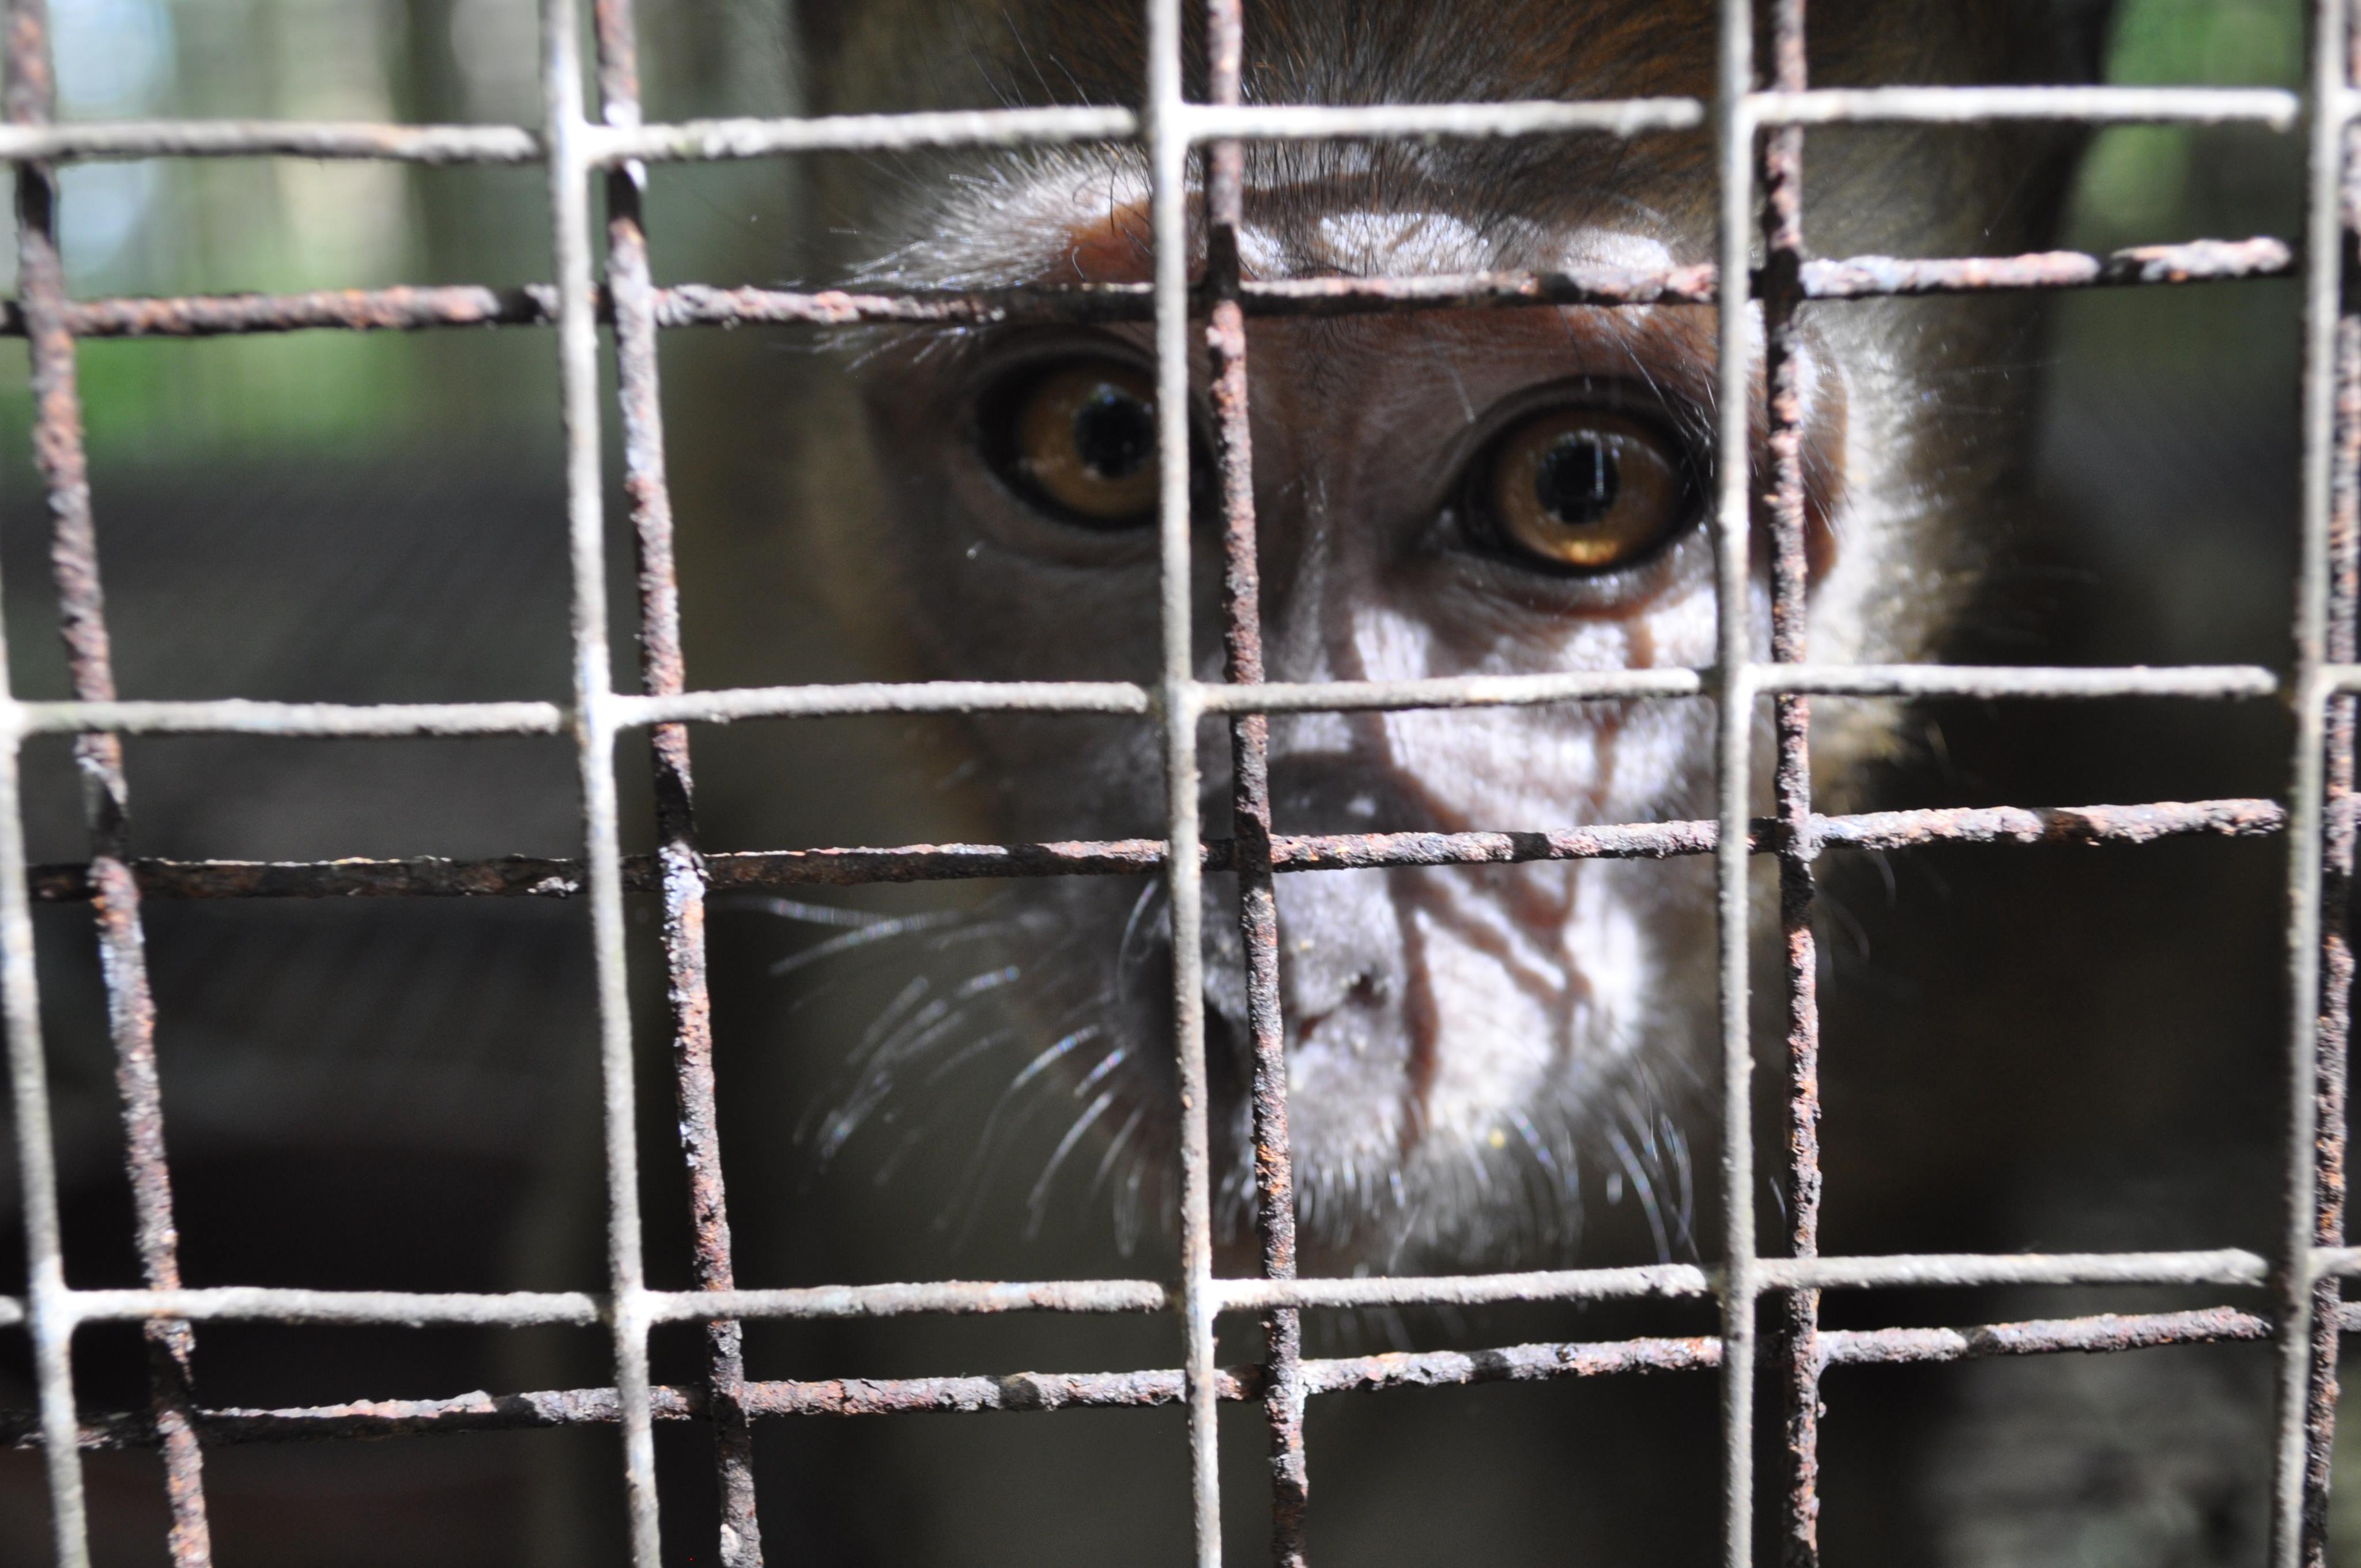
1114	435
1576	481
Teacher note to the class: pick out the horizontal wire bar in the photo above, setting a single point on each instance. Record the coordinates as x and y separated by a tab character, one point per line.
238	716
261	1303
254	1303
409	308
708	140
2103	1333
2189	261
1450	691
1667	1279
2218	681
400	308
480	1412
883	697
757	869
2228	1266
270	138
2270	106
1308	122
952	1295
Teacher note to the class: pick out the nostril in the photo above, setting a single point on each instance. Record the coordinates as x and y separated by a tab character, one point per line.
1368	991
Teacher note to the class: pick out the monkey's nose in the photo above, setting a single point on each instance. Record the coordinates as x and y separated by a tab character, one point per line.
1340	962
1341	965
1346	1025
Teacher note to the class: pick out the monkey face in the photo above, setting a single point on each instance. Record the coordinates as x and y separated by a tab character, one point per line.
1475	493
1490	494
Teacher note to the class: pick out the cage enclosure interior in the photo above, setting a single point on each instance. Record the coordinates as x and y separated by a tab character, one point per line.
488	789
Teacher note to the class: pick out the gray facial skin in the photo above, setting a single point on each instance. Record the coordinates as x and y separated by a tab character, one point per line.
1461	1041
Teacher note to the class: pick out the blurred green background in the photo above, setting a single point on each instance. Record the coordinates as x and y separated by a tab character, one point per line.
271	226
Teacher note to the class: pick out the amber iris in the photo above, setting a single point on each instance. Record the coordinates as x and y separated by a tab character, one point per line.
1582	490
1083	439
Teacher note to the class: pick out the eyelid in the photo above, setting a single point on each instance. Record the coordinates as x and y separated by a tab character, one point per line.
1687	425
995	355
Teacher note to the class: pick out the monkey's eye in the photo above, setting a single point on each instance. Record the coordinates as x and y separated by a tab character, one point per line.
1579	491
1079	440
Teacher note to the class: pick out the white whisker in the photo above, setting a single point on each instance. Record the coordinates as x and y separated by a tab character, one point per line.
1082	1123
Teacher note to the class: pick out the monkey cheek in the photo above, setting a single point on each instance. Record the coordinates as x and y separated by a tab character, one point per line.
1531	1014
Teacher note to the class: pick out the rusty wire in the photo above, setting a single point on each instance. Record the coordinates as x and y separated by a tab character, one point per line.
1781	285
2098	1334
679	869
2320	824
1251	851
2342	645
413	308
31	92
2317	821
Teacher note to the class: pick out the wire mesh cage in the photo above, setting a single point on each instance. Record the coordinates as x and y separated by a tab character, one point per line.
593	140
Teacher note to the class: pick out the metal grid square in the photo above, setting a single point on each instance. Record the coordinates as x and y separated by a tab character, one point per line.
1759	136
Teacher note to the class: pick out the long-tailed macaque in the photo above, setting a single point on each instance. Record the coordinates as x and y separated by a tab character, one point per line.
1440	494
1490	491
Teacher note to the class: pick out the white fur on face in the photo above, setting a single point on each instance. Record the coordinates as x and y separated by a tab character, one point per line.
1441	1022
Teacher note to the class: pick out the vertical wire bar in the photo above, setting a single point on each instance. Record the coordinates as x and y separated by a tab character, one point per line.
26	89
2335	1021
577	339
31	91
1225	339
1733	691
48	1305
2325	234
2336	966
131	1011
1782	286
1168	151
663	673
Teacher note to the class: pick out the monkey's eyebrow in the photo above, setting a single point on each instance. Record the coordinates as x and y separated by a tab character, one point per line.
1072	217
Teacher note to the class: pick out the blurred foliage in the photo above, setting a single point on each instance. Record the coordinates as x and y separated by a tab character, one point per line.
2250	43
2153	184
237	226
2137	179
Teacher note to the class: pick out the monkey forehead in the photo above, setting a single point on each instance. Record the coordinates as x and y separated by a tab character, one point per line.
1066	224
1393	242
